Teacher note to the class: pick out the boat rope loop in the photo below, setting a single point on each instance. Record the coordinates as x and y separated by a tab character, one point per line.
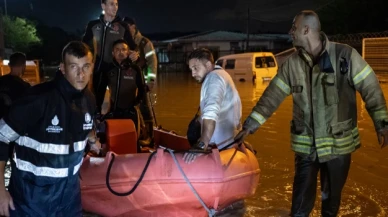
211	212
138	181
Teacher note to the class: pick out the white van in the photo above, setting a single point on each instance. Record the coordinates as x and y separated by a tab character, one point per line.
249	66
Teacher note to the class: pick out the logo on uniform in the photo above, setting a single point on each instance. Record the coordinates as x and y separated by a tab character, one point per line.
115	28
88	118
54	128
88	122
128	74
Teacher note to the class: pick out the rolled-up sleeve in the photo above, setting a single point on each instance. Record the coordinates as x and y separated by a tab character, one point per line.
212	96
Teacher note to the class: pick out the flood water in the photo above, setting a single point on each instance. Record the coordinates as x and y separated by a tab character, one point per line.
366	190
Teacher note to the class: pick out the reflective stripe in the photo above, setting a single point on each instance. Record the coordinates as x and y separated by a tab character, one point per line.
306	140
380	115
326	145
152	75
301	148
49	148
362	75
324	151
41	171
283	86
7	134
76	167
149	53
258	117
79	146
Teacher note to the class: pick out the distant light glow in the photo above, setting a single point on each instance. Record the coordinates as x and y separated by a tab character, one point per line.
103	12
28	63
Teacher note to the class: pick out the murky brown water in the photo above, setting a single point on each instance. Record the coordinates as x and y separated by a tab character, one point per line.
366	191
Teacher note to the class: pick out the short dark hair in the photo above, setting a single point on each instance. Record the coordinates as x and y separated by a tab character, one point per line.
202	54
130	21
119	41
17	59
103	1
75	48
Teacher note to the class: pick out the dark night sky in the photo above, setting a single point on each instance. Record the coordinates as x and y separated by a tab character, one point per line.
155	16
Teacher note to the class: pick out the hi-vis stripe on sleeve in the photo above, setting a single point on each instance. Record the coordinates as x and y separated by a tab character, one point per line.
258	117
149	53
380	115
362	75
282	85
7	134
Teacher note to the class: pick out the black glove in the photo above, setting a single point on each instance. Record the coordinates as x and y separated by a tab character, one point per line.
251	125
382	136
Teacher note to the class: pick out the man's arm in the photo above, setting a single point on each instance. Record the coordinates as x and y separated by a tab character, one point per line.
208	127
140	84
152	62
273	96
212	100
366	83
6	201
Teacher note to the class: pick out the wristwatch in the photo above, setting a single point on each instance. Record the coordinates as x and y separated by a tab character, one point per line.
201	145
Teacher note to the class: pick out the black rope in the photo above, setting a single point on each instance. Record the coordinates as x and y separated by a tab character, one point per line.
138	181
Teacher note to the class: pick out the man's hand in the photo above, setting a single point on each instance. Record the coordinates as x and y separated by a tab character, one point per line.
382	136
189	157
134	55
95	148
6	202
240	137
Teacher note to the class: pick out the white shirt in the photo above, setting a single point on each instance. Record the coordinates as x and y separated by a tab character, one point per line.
221	102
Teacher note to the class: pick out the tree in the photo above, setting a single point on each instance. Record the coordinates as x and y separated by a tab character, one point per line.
19	34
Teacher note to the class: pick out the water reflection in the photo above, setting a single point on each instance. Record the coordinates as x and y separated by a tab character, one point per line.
366	188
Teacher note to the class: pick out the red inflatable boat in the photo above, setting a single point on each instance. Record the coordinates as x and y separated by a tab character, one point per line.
161	184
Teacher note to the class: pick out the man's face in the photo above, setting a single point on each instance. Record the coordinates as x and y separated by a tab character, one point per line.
199	69
132	29
78	70
120	52
297	32
110	7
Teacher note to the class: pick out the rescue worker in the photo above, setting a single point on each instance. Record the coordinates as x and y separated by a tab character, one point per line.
322	78
12	86
148	63
100	35
220	104
50	126
126	84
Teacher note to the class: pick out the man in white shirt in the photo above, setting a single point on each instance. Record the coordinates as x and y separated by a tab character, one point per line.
220	103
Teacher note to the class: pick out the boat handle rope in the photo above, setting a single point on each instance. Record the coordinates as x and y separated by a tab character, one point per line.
137	183
211	212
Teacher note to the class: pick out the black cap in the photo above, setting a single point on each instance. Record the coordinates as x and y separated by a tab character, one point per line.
129	20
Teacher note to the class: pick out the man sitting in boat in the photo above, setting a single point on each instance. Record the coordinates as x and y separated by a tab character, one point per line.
126	85
220	104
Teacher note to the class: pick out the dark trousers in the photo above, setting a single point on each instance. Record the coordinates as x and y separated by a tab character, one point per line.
333	176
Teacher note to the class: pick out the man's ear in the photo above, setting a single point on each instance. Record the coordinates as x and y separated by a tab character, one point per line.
306	29
62	68
209	65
